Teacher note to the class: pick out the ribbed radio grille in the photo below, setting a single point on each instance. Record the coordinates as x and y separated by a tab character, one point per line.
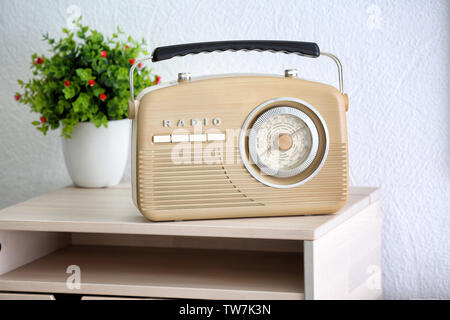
164	185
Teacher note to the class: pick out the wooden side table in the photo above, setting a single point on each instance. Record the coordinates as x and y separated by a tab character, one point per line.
93	242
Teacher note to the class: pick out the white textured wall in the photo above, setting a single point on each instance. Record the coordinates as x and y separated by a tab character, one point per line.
396	62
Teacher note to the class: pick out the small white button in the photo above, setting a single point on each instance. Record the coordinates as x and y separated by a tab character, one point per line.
216	136
180	138
160	139
197	137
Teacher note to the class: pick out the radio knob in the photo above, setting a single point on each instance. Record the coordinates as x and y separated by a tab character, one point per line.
291	73
184	76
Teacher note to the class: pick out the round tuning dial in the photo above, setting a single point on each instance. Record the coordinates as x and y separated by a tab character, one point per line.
284	142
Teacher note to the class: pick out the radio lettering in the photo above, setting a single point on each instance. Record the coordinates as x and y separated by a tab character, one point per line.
194	122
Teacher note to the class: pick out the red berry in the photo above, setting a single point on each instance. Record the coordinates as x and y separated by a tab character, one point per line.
158	79
140	65
43	119
103	54
127	47
39	60
132	61
67	83
17	97
103	97
91	83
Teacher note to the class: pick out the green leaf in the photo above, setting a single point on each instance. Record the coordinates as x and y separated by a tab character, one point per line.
39	103
82	103
84	74
100	119
56	71
69	92
98	91
122	74
36	123
43	129
54	125
62	104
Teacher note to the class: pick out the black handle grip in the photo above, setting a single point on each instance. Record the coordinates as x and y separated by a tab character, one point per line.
308	49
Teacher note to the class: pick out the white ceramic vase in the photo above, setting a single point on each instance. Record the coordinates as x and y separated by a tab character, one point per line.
96	157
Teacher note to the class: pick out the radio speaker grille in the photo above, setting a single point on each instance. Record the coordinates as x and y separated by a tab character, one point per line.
165	185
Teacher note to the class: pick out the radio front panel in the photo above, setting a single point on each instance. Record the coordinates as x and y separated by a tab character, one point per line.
240	146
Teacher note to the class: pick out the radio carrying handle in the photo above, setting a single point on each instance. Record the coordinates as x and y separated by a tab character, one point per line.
307	49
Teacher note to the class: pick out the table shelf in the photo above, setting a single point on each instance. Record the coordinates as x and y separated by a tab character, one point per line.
164	273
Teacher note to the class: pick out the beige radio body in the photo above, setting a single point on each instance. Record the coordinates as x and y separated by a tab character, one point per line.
191	157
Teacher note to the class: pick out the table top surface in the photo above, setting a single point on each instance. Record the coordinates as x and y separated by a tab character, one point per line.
111	210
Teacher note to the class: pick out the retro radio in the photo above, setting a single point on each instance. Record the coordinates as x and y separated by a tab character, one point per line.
241	145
